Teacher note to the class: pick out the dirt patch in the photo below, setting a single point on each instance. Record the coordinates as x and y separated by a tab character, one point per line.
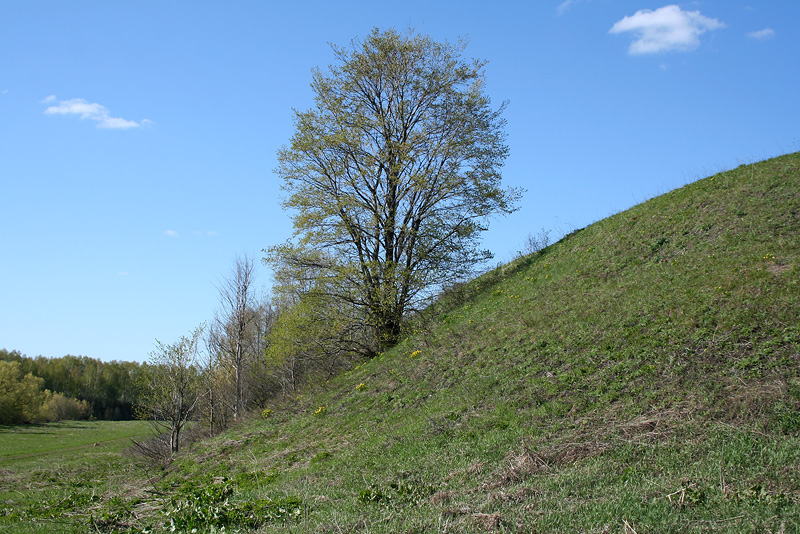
513	497
520	465
652	426
776	269
487	522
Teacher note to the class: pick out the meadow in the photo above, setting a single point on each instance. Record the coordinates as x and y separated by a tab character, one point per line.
50	473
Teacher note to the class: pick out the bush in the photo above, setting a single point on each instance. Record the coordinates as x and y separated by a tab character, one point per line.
57	407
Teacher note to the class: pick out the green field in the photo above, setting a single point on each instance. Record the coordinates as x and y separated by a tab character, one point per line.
28	441
52	473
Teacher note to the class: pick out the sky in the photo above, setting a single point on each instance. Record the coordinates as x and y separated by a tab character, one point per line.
138	139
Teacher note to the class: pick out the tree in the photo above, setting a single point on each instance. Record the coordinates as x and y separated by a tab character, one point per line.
172	386
21	394
237	334
311	337
393	175
57	407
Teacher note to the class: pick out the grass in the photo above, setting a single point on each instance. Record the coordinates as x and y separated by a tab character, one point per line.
54	476
640	375
24	441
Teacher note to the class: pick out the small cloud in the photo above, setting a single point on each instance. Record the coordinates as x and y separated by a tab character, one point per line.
171	233
5	91
762	35
122	273
211	233
117	123
564	6
666	29
91	111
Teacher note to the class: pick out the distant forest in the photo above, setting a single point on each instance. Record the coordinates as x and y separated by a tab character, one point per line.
69	387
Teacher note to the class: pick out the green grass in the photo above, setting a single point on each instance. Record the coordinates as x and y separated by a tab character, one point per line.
24	441
642	374
55	476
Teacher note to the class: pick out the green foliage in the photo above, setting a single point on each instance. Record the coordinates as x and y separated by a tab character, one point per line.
393	175
172	386
57	407
310	338
401	493
21	395
210	505
108	387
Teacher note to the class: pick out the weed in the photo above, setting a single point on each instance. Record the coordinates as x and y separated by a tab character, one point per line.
213	506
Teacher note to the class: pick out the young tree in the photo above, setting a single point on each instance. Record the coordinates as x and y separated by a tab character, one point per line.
394	174
236	337
172	386
312	337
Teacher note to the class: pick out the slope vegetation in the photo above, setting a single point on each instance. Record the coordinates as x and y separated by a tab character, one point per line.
640	375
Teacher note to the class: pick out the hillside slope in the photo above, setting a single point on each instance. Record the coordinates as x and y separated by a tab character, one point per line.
640	375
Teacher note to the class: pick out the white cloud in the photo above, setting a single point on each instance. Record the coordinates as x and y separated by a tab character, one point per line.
762	35
171	233
115	122
91	111
666	29
565	5
122	273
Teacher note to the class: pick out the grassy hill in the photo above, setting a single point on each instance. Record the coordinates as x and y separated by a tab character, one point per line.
640	375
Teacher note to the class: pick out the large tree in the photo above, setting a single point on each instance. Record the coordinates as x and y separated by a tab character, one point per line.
393	174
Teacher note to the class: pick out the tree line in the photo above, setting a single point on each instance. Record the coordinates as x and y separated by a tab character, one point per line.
70	387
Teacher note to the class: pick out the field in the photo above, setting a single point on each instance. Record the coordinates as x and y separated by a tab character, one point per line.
51	472
29	441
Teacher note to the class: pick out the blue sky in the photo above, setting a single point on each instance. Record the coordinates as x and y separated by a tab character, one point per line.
138	139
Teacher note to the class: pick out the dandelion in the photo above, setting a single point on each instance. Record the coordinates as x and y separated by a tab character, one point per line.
266	414
415	353
360	386
321	410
